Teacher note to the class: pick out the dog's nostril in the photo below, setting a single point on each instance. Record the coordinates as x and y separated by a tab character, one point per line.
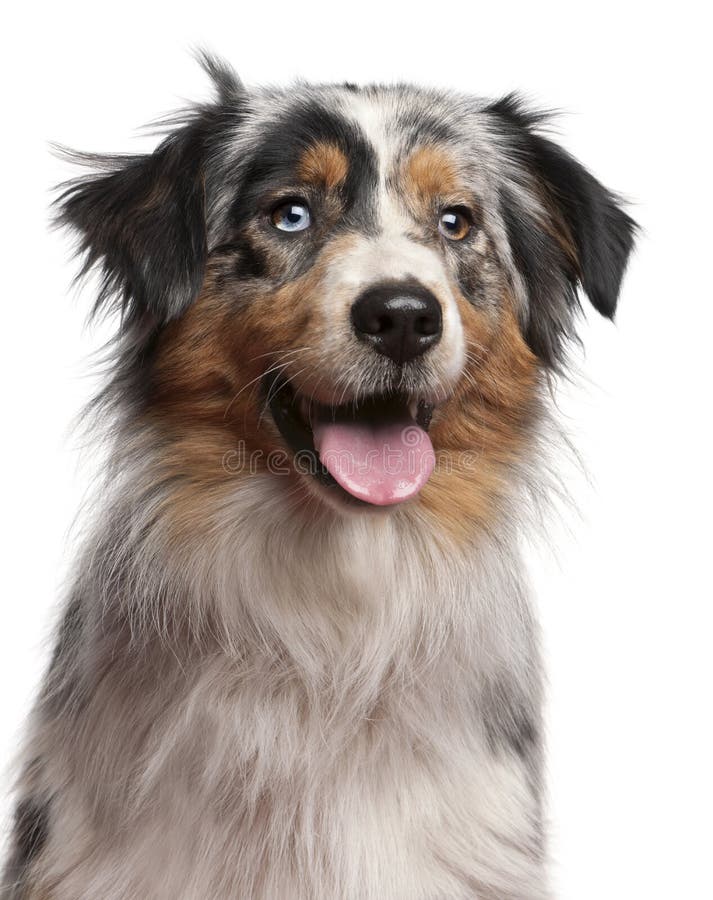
428	325
381	324
400	320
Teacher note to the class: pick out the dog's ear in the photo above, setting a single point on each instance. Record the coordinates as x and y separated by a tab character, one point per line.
574	233
141	221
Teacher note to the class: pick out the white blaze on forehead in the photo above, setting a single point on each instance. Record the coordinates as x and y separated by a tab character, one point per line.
372	117
392	255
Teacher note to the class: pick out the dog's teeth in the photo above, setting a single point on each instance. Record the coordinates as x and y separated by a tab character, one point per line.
413	408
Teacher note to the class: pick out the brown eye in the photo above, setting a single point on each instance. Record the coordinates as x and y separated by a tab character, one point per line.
454	223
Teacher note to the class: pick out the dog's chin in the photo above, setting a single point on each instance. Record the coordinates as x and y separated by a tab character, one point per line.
369	454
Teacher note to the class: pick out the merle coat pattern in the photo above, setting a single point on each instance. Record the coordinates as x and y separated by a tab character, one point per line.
260	690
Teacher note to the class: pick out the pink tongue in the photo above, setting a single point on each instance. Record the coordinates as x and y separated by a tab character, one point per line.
380	463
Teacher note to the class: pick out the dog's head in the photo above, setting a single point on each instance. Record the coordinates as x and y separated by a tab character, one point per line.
353	285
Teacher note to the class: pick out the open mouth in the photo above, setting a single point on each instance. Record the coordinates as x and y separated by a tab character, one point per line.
376	451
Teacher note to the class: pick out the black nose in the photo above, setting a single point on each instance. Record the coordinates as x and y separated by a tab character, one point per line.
400	320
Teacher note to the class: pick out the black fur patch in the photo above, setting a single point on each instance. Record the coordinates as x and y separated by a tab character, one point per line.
601	233
31	825
143	224
29	836
510	724
141	219
60	684
276	159
248	259
551	288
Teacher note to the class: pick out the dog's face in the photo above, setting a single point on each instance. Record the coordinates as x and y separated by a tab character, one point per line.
359	287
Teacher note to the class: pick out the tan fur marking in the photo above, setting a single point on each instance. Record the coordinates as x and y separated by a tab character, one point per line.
430	172
483	429
208	395
323	165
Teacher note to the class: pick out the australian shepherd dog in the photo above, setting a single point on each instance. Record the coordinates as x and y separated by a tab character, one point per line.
298	658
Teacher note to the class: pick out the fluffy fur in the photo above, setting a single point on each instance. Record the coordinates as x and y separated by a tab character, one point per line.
258	689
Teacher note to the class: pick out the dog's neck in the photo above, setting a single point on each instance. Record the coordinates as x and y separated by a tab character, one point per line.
264	570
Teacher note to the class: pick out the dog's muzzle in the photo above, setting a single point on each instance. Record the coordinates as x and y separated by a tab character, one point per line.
376	448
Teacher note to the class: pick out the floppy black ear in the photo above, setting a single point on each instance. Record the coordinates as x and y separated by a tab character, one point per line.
582	236
602	233
141	221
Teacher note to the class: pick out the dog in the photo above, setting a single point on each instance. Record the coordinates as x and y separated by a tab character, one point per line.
299	658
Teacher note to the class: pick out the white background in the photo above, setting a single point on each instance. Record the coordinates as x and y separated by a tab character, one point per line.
626	603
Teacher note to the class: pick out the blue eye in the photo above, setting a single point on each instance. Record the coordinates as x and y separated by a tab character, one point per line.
291	217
